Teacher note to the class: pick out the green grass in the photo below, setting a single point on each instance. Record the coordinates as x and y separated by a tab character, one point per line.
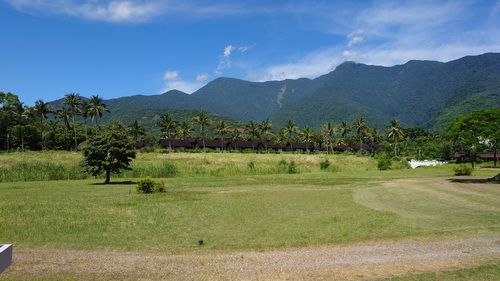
480	273
242	202
229	213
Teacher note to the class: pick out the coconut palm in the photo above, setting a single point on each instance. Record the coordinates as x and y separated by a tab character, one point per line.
203	121
221	129
183	130
85	113
167	125
21	116
307	135
235	134
361	129
253	131
42	109
96	108
136	130
73	100
64	115
290	128
395	134
327	131
265	130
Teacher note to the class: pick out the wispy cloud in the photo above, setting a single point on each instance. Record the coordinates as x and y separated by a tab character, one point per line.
130	11
176	82
202	77
110	11
393	32
225	60
172	76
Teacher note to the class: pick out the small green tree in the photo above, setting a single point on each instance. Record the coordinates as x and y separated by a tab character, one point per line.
109	151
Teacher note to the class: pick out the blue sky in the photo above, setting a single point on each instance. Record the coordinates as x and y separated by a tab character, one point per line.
50	48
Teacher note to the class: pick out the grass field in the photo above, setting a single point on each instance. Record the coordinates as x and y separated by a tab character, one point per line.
233	206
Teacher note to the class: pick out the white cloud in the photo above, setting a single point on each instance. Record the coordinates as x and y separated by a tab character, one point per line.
312	65
202	77
98	10
224	59
136	11
355	37
228	50
245	48
394	33
188	87
172	76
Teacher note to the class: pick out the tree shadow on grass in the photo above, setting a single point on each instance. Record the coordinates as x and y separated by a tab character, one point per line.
116	183
472	180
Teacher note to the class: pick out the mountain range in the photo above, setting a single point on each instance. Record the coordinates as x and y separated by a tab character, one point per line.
428	94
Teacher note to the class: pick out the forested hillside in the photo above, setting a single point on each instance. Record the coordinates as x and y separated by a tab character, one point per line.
428	94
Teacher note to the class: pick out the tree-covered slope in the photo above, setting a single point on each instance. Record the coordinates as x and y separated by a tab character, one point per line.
256	101
415	93
418	93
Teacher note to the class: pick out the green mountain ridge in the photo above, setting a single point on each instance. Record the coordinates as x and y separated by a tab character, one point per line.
418	93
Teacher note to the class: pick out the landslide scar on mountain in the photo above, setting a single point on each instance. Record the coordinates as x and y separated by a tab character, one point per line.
281	93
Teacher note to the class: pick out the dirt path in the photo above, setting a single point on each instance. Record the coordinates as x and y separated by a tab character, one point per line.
354	262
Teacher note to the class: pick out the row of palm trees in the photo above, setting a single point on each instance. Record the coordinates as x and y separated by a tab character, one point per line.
328	136
18	117
76	106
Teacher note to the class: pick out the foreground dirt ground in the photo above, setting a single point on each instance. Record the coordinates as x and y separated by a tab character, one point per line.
354	262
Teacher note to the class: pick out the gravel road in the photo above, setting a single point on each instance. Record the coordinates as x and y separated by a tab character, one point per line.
353	262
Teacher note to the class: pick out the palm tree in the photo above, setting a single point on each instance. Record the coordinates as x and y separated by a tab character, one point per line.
85	112
73	100
307	135
265	130
136	130
361	128
395	133
22	115
327	131
253	131
235	134
290	129
344	128
203	121
222	129
96	109
42	109
183	130
64	115
167	125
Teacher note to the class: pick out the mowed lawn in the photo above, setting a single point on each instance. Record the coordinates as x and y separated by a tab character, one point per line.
248	212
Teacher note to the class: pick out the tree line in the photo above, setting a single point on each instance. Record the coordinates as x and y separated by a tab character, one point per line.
45	127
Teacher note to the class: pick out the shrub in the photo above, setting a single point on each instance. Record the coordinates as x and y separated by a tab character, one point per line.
147	185
400	163
324	165
282	166
159	186
384	163
292	168
462	170
251	165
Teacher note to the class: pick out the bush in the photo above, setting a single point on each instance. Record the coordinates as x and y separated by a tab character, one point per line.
282	166
251	165
462	170
324	165
147	185
292	168
384	163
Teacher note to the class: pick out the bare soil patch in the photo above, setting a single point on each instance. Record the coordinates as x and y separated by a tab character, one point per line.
354	262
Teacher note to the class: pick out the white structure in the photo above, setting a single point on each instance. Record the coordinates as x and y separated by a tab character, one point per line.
415	163
5	256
